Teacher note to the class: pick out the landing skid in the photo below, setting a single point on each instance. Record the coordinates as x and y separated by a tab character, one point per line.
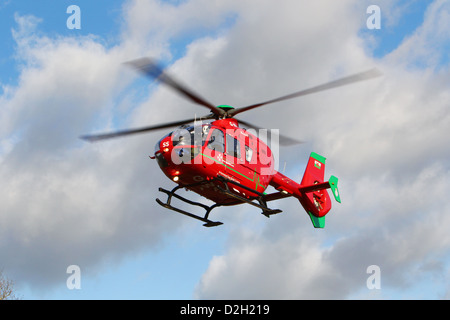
170	194
226	190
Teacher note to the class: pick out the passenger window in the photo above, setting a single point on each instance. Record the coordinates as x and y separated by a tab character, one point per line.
216	141
248	154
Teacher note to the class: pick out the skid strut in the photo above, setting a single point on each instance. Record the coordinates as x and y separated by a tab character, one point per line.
262	203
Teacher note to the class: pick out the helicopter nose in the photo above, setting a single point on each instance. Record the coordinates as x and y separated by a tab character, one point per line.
161	151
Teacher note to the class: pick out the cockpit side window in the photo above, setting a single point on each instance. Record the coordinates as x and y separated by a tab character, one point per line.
216	141
248	154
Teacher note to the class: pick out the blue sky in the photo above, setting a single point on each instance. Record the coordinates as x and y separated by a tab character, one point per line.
101	18
67	202
392	33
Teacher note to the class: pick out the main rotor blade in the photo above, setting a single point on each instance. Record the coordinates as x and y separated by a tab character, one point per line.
121	133
373	73
283	140
151	69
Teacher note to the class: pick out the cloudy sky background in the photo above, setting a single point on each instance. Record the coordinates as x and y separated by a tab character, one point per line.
66	202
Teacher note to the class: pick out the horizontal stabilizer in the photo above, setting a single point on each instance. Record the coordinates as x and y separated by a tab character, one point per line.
332	183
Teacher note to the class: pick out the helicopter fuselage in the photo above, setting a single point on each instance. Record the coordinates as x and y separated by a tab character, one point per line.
203	152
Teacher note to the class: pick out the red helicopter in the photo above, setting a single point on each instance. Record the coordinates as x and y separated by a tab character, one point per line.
229	164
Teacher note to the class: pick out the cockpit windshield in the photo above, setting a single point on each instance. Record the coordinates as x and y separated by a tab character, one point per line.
190	136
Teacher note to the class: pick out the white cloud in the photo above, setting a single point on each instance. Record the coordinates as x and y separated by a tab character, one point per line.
259	268
64	201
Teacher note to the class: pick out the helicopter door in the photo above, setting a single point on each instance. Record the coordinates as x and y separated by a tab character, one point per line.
216	141
239	157
249	166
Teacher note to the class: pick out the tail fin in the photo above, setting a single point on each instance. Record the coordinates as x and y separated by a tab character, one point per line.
316	200
315	170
